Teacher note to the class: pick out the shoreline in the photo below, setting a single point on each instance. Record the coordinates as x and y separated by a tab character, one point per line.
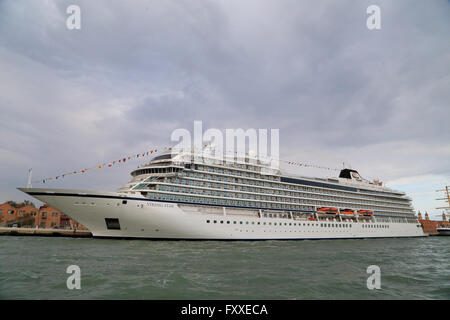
5	231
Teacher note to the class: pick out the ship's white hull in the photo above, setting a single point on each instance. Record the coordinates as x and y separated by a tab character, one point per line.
141	218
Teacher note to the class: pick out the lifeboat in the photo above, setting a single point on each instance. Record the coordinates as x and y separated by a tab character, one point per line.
327	210
365	212
312	219
347	212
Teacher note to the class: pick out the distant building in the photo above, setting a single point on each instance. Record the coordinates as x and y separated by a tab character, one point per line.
27	215
11	212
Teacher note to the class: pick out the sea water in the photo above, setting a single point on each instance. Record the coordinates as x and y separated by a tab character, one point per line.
410	268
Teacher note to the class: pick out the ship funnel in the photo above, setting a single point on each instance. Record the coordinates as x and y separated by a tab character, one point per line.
350	174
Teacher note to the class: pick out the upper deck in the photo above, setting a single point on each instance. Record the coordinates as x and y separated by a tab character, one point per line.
251	183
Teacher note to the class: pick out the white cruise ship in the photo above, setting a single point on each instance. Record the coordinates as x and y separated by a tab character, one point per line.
179	196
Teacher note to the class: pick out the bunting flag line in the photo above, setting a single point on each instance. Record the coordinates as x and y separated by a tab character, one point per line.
153	151
306	165
108	164
293	163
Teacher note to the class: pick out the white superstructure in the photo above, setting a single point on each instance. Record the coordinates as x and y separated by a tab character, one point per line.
181	196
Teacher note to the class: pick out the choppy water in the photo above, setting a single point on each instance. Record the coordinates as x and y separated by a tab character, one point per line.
35	268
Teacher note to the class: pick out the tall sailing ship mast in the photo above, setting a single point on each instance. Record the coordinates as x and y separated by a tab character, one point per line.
446	199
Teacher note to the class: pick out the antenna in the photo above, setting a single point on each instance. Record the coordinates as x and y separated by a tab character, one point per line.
30	173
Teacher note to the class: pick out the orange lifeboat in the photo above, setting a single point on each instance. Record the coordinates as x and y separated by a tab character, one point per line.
365	212
347	212
327	210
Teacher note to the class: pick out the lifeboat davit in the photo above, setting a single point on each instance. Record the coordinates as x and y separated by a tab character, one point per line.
365	212
328	210
347	212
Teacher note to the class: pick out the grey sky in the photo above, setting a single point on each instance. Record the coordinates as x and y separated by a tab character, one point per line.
137	70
